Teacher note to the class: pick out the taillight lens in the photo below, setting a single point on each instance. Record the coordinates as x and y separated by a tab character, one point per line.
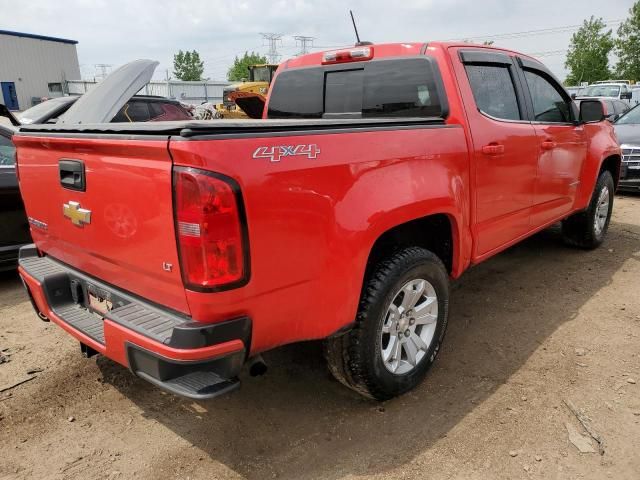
210	230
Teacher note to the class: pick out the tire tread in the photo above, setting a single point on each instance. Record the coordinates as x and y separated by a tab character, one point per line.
344	353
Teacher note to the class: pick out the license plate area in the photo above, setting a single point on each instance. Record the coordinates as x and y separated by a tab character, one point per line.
95	298
99	302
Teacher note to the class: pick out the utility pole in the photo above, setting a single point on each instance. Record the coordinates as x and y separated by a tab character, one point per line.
272	40
305	43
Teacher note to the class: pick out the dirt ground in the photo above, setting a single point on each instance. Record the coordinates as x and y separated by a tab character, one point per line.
531	330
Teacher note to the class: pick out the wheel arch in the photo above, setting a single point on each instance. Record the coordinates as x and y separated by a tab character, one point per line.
436	232
613	164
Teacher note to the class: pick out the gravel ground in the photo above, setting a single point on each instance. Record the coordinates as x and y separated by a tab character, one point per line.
533	330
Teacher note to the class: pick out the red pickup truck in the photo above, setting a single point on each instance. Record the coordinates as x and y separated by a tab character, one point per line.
182	250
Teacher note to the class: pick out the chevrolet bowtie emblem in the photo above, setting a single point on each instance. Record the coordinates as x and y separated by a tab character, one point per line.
78	216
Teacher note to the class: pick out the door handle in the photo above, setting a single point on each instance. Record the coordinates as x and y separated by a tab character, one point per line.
493	149
548	145
72	174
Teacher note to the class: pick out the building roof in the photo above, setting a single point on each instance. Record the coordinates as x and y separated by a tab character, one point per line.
38	37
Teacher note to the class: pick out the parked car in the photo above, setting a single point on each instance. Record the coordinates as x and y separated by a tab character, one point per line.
619	91
141	108
186	248
635	95
15	228
628	132
613	108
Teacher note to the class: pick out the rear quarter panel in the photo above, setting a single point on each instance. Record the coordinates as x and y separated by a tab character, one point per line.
312	222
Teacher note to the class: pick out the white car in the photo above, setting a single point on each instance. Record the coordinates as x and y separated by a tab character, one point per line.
620	91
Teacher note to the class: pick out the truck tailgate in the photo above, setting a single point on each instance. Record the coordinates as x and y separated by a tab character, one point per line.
118	226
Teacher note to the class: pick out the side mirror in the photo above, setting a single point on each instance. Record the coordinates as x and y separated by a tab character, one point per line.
626	95
591	111
573	96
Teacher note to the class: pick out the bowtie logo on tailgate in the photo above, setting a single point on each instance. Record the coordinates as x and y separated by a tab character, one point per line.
277	153
78	216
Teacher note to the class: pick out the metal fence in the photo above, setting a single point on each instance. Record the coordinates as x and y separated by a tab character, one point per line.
188	92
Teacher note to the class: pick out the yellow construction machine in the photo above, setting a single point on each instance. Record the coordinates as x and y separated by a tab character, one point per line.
246	99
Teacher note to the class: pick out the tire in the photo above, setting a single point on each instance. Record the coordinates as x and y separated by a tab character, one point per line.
355	358
587	229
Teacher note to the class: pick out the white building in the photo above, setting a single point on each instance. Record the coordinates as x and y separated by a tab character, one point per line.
34	66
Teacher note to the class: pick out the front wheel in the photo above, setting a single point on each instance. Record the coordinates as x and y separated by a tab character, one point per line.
399	327
587	229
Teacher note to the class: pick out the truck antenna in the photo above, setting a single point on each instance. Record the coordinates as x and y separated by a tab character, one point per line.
354	27
359	43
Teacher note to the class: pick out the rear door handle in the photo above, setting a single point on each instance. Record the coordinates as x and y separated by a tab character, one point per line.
548	145
493	149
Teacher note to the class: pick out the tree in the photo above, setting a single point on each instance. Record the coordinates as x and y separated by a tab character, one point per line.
628	45
187	66
588	55
240	68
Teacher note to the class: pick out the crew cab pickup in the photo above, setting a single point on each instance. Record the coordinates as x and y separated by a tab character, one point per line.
182	250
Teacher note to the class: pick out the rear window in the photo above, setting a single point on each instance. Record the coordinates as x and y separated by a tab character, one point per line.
409	87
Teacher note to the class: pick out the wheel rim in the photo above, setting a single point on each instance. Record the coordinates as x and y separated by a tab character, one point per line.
409	326
602	211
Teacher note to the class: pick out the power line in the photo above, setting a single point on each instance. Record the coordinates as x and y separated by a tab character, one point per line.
548	53
529	33
273	40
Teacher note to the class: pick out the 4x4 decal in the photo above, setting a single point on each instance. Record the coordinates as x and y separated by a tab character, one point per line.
278	152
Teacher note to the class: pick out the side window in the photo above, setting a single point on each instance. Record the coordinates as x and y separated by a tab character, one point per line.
132	112
155	110
549	105
138	112
493	91
7	152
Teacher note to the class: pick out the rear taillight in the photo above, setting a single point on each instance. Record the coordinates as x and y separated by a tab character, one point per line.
350	55
210	229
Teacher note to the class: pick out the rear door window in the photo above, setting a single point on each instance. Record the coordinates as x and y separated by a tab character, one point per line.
493	91
409	87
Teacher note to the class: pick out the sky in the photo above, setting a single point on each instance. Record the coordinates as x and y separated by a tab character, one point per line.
114	32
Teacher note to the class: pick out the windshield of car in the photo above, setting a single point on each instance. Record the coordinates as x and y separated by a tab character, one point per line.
43	111
601	91
260	74
631	117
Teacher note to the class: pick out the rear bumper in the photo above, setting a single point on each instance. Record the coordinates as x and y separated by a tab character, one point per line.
192	359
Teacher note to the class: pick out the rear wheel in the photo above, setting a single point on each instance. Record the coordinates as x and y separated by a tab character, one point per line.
399	327
587	229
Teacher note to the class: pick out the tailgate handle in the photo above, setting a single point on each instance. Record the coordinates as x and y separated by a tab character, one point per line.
72	175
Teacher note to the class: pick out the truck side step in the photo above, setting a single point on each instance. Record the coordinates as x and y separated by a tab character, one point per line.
197	380
197	385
